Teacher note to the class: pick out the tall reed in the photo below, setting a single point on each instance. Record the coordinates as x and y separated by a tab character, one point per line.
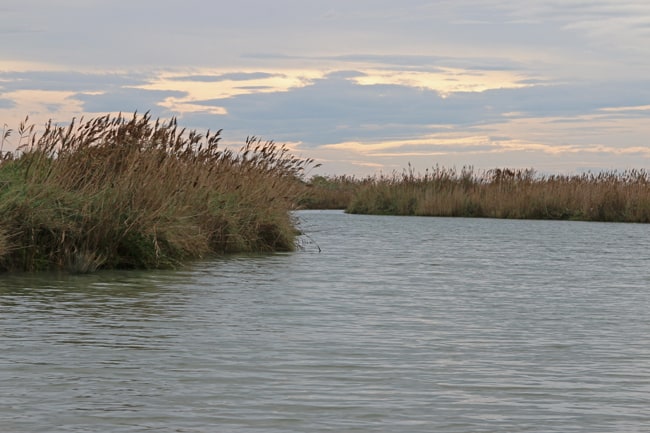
504	193
330	192
118	192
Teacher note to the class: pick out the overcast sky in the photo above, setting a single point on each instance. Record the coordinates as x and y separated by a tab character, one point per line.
362	86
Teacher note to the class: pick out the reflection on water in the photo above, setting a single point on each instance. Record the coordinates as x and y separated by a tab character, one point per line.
115	294
399	324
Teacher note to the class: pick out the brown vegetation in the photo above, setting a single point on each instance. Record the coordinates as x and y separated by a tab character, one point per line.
130	192
504	193
330	192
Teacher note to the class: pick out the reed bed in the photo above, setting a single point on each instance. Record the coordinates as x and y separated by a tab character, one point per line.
331	192
505	193
120	192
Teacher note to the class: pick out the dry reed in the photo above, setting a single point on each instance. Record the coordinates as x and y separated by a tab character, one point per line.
118	192
330	192
504	193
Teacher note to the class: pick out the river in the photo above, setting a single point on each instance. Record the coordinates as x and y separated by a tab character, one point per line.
378	324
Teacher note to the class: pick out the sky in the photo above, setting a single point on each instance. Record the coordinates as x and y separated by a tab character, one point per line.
361	86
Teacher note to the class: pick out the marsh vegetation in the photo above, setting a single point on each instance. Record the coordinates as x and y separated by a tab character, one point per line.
133	192
120	192
331	192
499	193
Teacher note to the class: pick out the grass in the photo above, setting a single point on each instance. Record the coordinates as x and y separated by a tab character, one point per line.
330	192
118	192
504	193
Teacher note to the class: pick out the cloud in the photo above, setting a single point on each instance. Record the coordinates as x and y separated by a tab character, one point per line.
328	109
218	87
597	144
640	109
336	108
232	76
62	94
126	100
67	80
7	103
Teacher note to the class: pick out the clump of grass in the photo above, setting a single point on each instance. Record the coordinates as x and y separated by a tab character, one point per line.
118	192
505	193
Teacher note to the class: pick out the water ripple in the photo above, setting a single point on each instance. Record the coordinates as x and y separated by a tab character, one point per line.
398	324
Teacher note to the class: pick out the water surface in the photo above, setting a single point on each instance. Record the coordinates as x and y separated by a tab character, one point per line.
398	324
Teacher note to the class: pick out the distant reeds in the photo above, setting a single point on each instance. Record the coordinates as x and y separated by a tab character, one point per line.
504	193
330	192
118	192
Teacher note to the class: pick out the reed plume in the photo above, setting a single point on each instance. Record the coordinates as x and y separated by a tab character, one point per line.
133	192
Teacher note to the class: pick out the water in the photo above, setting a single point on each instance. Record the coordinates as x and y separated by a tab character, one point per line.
398	325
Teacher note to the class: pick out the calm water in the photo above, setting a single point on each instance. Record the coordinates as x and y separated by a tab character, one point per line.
398	325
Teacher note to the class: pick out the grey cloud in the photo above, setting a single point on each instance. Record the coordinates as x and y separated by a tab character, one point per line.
234	76
434	63
255	87
628	114
270	56
396	60
346	74
500	138
432	146
561	100
533	81
244	76
67	80
7	103
413	62
128	100
335	109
